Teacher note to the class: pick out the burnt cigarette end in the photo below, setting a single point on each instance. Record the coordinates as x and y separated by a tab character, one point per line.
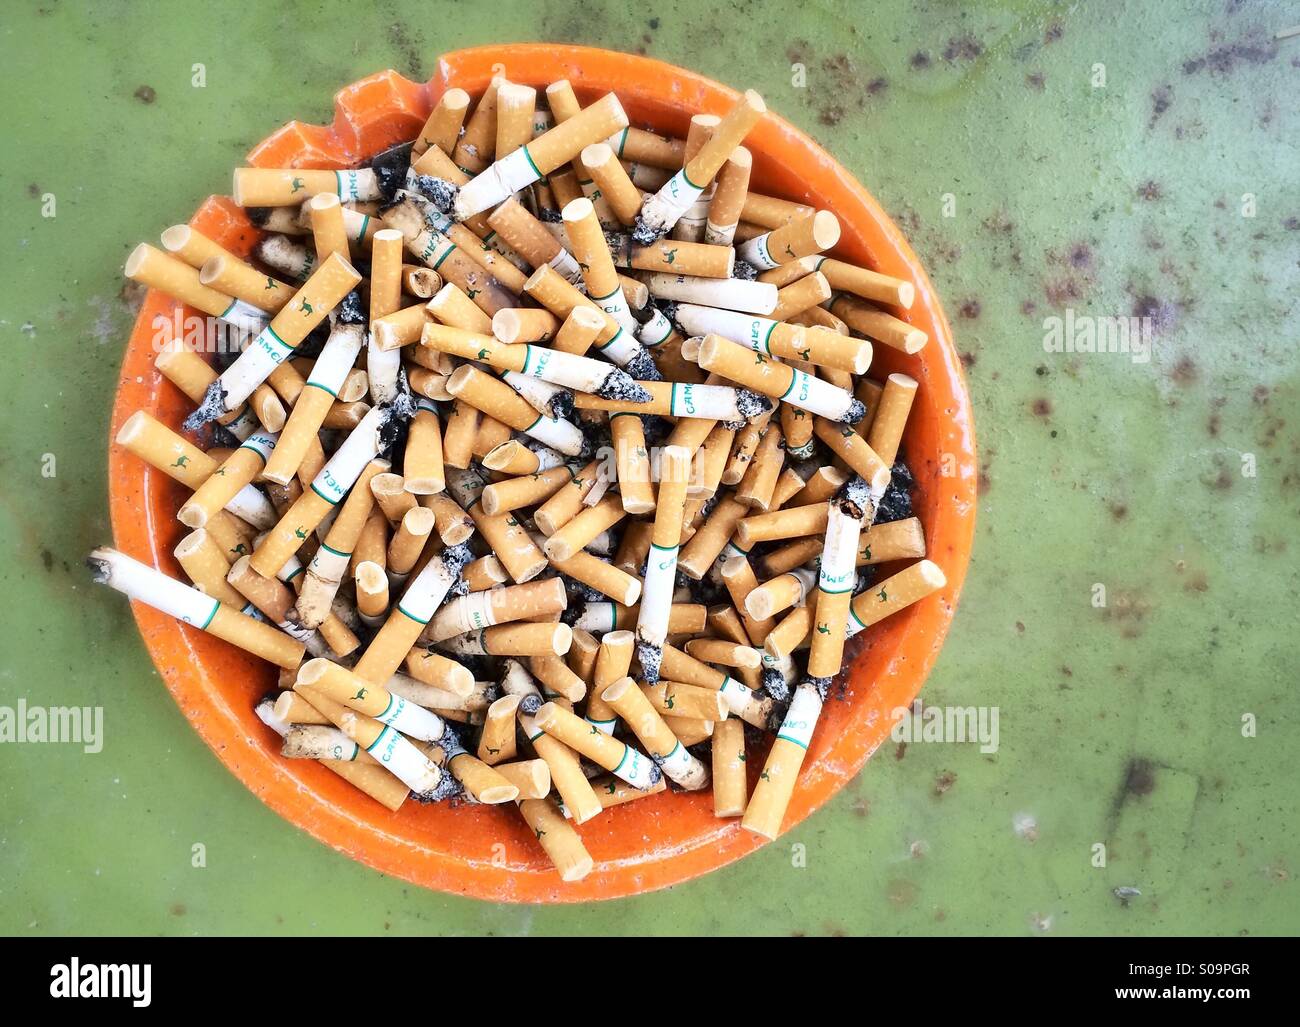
646	234
390	168
642	367
649	656
454	558
621	386
856	412
562	404
530	704
548	215
896	504
448	788
351	311
212	407
745	271
258	215
438	191
776	718
461	588
854	497
99	569
752	404
775	684
822	685
223	437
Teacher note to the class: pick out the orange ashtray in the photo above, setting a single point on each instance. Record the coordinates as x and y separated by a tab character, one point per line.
664	839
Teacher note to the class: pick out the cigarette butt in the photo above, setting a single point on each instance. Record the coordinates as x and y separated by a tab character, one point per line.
731	293
557	838
371	545
727	654
497	742
515	106
510	542
327	228
589	248
855	451
422	467
791	522
292	708
480	779
442	675
633	462
236	277
409	539
730	783
316	742
698	555
772	378
908	586
580	329
650	729
738	577
623	198
458	436
282	187
787	557
530	239
567	502
484	573
442	128
685	701
756	488
490	434
876	324
800	296
724	139
634	547
891	416
870	285
531	777
606	579
801	237
205	562
770	212
400	327
155	269
521	639
772	793
820	317
474	150
582	529
728	198
143	583
452	307
676	257
531	490
524	324
869	392
616	757
452	523
779	594
566	773
391	496
790	632
420	282
237	471
613	658
557	675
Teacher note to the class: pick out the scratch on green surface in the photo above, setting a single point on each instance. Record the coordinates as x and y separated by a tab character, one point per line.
1119	200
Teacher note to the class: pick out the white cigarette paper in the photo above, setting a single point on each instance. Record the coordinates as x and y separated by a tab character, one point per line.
730	293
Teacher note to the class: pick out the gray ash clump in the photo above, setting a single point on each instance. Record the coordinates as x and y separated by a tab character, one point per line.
669	310
351	311
649	656
645	234
438	191
744	270
777	717
822	685
212	407
454	558
570	614
530	704
595	433
856	412
259	215
311	346
99	570
642	366
896	504
751	404
854	497
395	422
550	216
775	684
621	386
866	577
448	789
655	428
562	404
591	595
222	437
390	168
710	505
461	588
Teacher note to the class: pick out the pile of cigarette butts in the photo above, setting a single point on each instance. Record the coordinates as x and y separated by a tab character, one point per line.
545	465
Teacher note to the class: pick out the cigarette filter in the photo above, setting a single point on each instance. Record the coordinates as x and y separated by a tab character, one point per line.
619	759
775	786
802	237
663	746
730	293
903	589
730	784
373	700
780	381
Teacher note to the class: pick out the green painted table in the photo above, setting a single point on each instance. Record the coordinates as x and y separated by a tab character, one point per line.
1169	191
